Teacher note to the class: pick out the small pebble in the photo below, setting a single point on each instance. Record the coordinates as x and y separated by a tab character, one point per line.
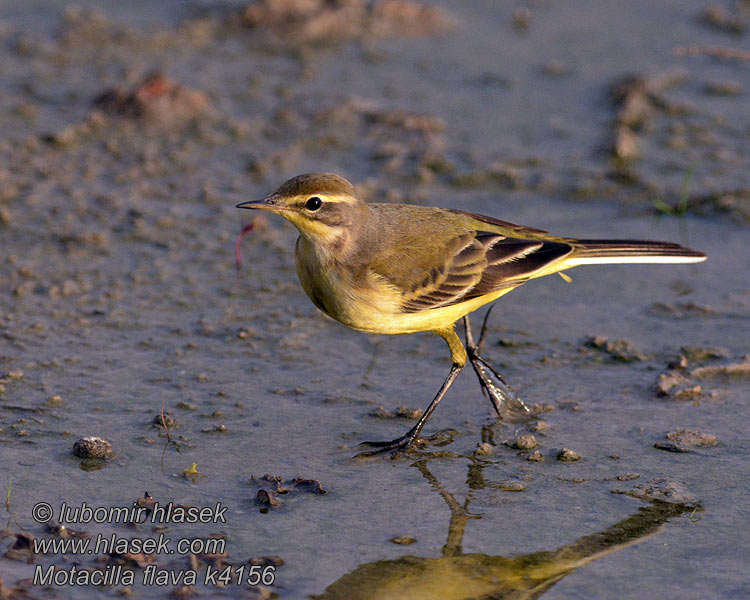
568	455
483	449
403	540
526	441
92	447
535	456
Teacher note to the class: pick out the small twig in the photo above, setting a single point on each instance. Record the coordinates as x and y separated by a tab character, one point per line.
169	435
164	422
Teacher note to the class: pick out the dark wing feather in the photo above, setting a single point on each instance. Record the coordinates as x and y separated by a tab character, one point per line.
481	264
511	263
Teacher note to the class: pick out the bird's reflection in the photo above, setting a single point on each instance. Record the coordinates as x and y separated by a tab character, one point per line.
456	575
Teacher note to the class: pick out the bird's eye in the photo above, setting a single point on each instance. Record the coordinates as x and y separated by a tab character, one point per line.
313	203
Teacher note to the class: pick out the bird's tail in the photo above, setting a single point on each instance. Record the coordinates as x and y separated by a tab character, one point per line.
592	252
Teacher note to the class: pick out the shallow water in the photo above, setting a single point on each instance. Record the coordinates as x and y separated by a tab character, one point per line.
120	296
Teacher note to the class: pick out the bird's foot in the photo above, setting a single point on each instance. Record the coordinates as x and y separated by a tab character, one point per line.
502	396
493	385
400	444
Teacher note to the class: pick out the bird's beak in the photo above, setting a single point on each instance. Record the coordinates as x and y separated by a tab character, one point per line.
269	203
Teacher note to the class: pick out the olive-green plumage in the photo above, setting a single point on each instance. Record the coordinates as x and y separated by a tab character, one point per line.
398	268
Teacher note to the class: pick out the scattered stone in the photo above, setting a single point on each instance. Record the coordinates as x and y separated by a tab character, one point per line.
403	540
510	486
680	310
723	88
306	21
521	18
535	456
216	429
556	68
92	447
539	408
698	354
568	455
620	350
540	426
526	441
402	412
636	99
686	440
54	400
688	393
184	592
661	490
483	449
734	202
628	477
718	17
735	370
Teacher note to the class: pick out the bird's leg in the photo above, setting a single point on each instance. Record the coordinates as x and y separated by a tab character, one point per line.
406	440
497	390
458	356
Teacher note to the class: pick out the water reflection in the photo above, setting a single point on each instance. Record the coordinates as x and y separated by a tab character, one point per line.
456	575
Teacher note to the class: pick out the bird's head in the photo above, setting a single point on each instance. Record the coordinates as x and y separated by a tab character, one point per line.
323	206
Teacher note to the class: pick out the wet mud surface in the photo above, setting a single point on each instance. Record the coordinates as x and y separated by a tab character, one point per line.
134	358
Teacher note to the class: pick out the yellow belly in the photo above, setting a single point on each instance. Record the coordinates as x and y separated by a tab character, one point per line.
373	306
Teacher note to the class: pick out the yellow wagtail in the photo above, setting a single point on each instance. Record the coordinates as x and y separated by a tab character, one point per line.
399	268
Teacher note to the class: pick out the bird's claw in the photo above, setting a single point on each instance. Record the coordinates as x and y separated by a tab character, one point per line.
400	444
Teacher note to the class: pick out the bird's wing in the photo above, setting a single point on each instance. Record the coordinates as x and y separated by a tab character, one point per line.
474	264
519	230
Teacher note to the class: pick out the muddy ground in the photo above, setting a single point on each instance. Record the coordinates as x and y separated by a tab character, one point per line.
128	132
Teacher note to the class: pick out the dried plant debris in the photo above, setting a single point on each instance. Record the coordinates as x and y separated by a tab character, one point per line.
619	350
331	21
686	440
271	486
